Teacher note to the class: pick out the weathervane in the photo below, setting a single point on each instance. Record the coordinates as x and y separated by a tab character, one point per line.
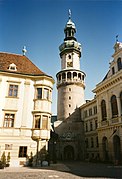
69	14
117	38
24	50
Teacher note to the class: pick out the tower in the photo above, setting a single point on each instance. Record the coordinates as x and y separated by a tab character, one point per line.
70	80
70	86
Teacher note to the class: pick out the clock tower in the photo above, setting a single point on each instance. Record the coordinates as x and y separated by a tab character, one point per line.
70	87
70	80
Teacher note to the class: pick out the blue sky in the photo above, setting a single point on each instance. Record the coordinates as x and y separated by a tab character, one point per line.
39	25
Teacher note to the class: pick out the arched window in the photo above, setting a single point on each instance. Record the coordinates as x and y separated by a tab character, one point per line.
63	76
79	76
103	110
121	101
69	75
119	64
74	75
114	107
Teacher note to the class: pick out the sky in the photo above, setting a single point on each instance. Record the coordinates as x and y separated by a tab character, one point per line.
39	25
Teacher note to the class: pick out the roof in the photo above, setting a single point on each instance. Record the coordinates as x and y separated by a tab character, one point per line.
22	63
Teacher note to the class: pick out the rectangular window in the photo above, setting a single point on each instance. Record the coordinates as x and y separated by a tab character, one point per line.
95	109
44	122
91	126
113	71
8	146
13	90
37	121
46	93
96	124
86	127
90	111
22	151
39	93
85	113
9	120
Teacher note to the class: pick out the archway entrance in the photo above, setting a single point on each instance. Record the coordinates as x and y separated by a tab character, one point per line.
69	153
105	149
117	148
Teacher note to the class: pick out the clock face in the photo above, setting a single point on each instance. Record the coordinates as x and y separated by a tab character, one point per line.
69	64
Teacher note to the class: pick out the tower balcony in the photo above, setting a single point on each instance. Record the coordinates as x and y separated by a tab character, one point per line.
70	44
38	134
67	77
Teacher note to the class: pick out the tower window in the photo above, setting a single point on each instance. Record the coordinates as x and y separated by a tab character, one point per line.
69	89
69	97
69	105
69	56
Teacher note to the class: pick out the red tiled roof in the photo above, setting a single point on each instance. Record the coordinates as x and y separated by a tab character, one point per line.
23	64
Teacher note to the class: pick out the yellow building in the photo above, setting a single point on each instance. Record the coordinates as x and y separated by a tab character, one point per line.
25	108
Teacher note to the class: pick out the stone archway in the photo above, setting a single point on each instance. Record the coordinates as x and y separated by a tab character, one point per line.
117	148
105	149
69	153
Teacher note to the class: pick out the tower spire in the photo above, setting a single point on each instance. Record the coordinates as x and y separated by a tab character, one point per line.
69	14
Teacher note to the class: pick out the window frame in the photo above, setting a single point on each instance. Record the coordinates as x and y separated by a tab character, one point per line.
13	90
22	151
9	121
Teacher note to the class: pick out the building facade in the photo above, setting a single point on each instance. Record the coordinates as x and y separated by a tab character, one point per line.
70	86
109	102
25	108
108	118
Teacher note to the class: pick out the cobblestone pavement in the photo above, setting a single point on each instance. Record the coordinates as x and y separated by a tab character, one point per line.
59	171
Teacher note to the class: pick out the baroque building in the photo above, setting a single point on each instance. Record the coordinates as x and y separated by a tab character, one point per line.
104	140
70	86
25	108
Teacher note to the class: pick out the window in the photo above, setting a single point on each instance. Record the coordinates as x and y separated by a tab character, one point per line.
46	93
13	90
39	93
91	126
97	142
69	97
69	105
85	114
96	124
92	142
113	70
12	67
22	151
44	122
8	146
69	89
37	121
90	111
121	101
87	143
9	120
69	75
103	110
114	107
119	64
86	127
95	109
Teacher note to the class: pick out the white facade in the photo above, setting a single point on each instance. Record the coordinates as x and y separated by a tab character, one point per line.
25	111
